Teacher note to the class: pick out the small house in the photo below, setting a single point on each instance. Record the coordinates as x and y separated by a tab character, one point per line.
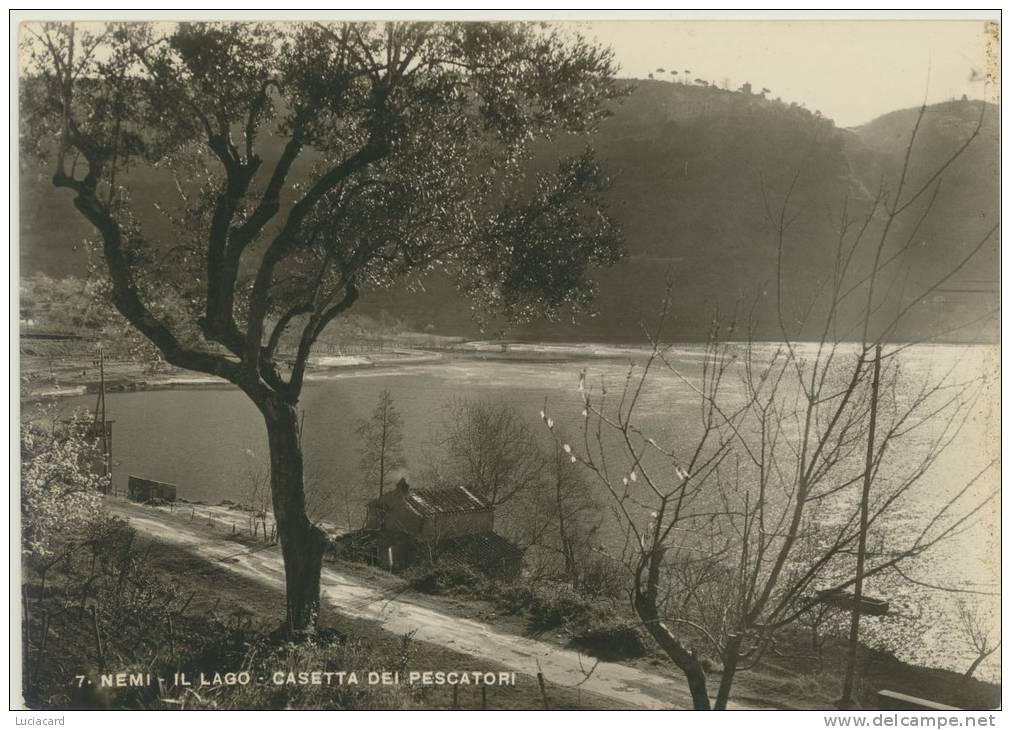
408	526
430	514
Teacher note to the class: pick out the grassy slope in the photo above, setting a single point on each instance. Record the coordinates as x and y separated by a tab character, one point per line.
220	587
790	680
219	592
790	676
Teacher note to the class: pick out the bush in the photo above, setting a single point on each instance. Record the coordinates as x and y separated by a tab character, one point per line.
609	636
604	578
513	598
61	494
438	578
595	626
550	609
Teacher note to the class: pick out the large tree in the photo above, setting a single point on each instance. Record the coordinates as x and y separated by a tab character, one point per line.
304	164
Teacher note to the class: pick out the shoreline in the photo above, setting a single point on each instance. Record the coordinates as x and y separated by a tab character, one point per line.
133	376
73	374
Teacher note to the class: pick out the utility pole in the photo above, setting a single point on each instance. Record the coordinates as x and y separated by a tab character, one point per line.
846	701
101	422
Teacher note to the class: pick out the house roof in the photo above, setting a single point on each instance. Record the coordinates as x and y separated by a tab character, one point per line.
444	501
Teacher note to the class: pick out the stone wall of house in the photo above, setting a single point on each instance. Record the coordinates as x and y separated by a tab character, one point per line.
391	513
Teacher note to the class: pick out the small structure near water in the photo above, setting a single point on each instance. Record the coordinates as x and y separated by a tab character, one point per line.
408	526
145	490
847	600
430	514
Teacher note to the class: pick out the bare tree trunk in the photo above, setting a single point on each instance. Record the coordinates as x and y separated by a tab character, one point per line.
568	554
687	661
979	660
730	656
974	666
302	542
851	657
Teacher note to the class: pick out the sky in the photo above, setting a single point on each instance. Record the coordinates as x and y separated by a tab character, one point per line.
852	71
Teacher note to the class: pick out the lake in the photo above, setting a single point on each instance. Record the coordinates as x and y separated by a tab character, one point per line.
207	440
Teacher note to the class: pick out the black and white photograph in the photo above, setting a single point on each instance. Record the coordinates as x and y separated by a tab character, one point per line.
501	360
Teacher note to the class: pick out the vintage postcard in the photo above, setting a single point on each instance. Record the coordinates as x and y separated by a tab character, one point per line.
507	361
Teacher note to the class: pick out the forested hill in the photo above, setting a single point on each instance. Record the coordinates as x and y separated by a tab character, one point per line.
696	171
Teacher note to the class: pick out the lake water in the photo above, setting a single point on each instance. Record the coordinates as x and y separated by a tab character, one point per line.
205	441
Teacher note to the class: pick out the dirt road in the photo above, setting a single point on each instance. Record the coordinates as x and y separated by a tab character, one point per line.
402	613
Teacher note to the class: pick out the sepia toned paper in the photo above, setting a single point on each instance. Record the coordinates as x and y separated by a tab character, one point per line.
506	361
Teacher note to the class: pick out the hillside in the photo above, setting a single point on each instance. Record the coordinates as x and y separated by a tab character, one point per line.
690	165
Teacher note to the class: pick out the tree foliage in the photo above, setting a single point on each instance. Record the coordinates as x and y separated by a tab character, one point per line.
313	162
61	493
